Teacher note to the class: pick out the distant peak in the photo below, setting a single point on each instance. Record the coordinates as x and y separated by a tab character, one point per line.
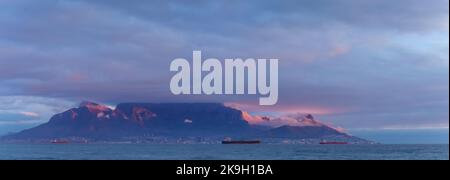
94	107
309	116
308	120
87	103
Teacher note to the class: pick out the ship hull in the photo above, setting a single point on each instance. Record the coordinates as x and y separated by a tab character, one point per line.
241	142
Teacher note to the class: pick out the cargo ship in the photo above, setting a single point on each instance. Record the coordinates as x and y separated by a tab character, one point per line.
332	142
228	140
241	142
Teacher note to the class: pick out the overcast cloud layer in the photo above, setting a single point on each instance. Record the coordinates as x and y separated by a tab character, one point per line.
354	63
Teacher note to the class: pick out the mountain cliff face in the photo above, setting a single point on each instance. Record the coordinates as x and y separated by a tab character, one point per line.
138	119
95	121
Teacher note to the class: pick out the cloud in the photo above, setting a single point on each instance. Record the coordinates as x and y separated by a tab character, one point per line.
407	15
28	123
354	63
293	119
17	110
30	114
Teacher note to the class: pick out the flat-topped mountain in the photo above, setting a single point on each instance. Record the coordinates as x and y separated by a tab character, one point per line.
205	120
135	119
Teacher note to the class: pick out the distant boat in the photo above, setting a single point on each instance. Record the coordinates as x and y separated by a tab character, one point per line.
58	141
241	142
332	142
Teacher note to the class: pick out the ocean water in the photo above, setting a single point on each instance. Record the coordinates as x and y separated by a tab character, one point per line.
221	152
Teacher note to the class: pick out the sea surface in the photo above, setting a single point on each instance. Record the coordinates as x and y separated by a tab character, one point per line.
221	152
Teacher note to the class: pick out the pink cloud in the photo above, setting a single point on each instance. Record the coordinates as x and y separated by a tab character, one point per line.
296	119
30	114
76	77
339	50
288	109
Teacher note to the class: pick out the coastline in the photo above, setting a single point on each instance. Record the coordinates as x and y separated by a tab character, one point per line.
102	151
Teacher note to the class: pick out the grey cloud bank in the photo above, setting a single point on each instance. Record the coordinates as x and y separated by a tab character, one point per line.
359	64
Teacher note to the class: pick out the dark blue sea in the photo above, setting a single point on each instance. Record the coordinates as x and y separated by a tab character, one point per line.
221	152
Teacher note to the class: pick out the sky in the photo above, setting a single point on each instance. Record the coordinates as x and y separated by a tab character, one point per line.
365	65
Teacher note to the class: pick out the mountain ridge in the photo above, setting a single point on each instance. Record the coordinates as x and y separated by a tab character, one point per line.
172	120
